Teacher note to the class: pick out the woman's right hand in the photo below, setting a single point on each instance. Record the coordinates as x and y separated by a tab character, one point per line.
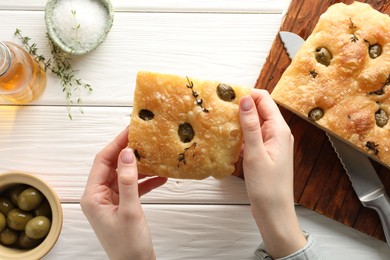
268	170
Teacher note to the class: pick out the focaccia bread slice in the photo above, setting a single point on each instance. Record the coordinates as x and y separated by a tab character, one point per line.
340	78
185	128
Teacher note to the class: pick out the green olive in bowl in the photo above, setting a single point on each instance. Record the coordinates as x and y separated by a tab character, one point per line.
8	236
17	219
43	209
5	205
25	242
15	191
29	199
38	227
3	222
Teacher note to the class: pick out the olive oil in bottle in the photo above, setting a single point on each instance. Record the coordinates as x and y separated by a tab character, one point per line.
22	79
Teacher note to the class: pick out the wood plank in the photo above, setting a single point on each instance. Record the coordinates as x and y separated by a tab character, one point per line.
220	231
44	141
335	208
329	187
65	158
305	153
220	6
178	232
234	47
314	187
351	208
324	189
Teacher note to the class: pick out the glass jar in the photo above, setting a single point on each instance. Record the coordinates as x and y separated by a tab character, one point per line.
22	79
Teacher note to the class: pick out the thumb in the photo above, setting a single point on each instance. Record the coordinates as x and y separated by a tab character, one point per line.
128	181
250	125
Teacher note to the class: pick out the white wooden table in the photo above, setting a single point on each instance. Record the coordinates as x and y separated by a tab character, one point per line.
225	40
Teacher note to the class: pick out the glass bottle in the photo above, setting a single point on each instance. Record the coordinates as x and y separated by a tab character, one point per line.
22	79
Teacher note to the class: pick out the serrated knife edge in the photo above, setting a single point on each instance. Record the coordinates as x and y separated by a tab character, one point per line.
376	188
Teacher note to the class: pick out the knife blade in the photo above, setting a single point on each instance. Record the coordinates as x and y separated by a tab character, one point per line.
364	179
292	43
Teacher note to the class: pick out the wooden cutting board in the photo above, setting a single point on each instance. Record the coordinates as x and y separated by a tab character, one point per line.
320	181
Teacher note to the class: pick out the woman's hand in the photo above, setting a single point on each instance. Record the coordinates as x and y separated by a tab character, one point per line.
268	170
111	202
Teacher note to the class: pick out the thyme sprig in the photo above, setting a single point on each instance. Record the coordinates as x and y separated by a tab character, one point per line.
182	156
199	101
313	73
76	26
32	49
372	146
352	26
60	65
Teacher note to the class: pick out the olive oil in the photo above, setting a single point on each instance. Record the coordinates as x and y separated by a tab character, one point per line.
22	79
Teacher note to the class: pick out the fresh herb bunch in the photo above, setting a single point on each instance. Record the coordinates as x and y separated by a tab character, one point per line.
60	65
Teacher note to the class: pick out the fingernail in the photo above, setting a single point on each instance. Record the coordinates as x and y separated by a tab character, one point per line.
246	103
127	156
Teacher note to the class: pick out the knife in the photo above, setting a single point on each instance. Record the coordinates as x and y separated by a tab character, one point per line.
362	174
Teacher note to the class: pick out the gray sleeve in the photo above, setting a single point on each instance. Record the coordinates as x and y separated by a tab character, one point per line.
310	252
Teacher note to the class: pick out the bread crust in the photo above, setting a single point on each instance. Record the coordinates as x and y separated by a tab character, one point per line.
174	101
353	87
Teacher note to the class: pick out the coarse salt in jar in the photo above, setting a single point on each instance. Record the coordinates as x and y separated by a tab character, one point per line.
78	26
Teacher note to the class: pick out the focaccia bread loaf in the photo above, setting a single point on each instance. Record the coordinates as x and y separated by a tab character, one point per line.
185	128
340	78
